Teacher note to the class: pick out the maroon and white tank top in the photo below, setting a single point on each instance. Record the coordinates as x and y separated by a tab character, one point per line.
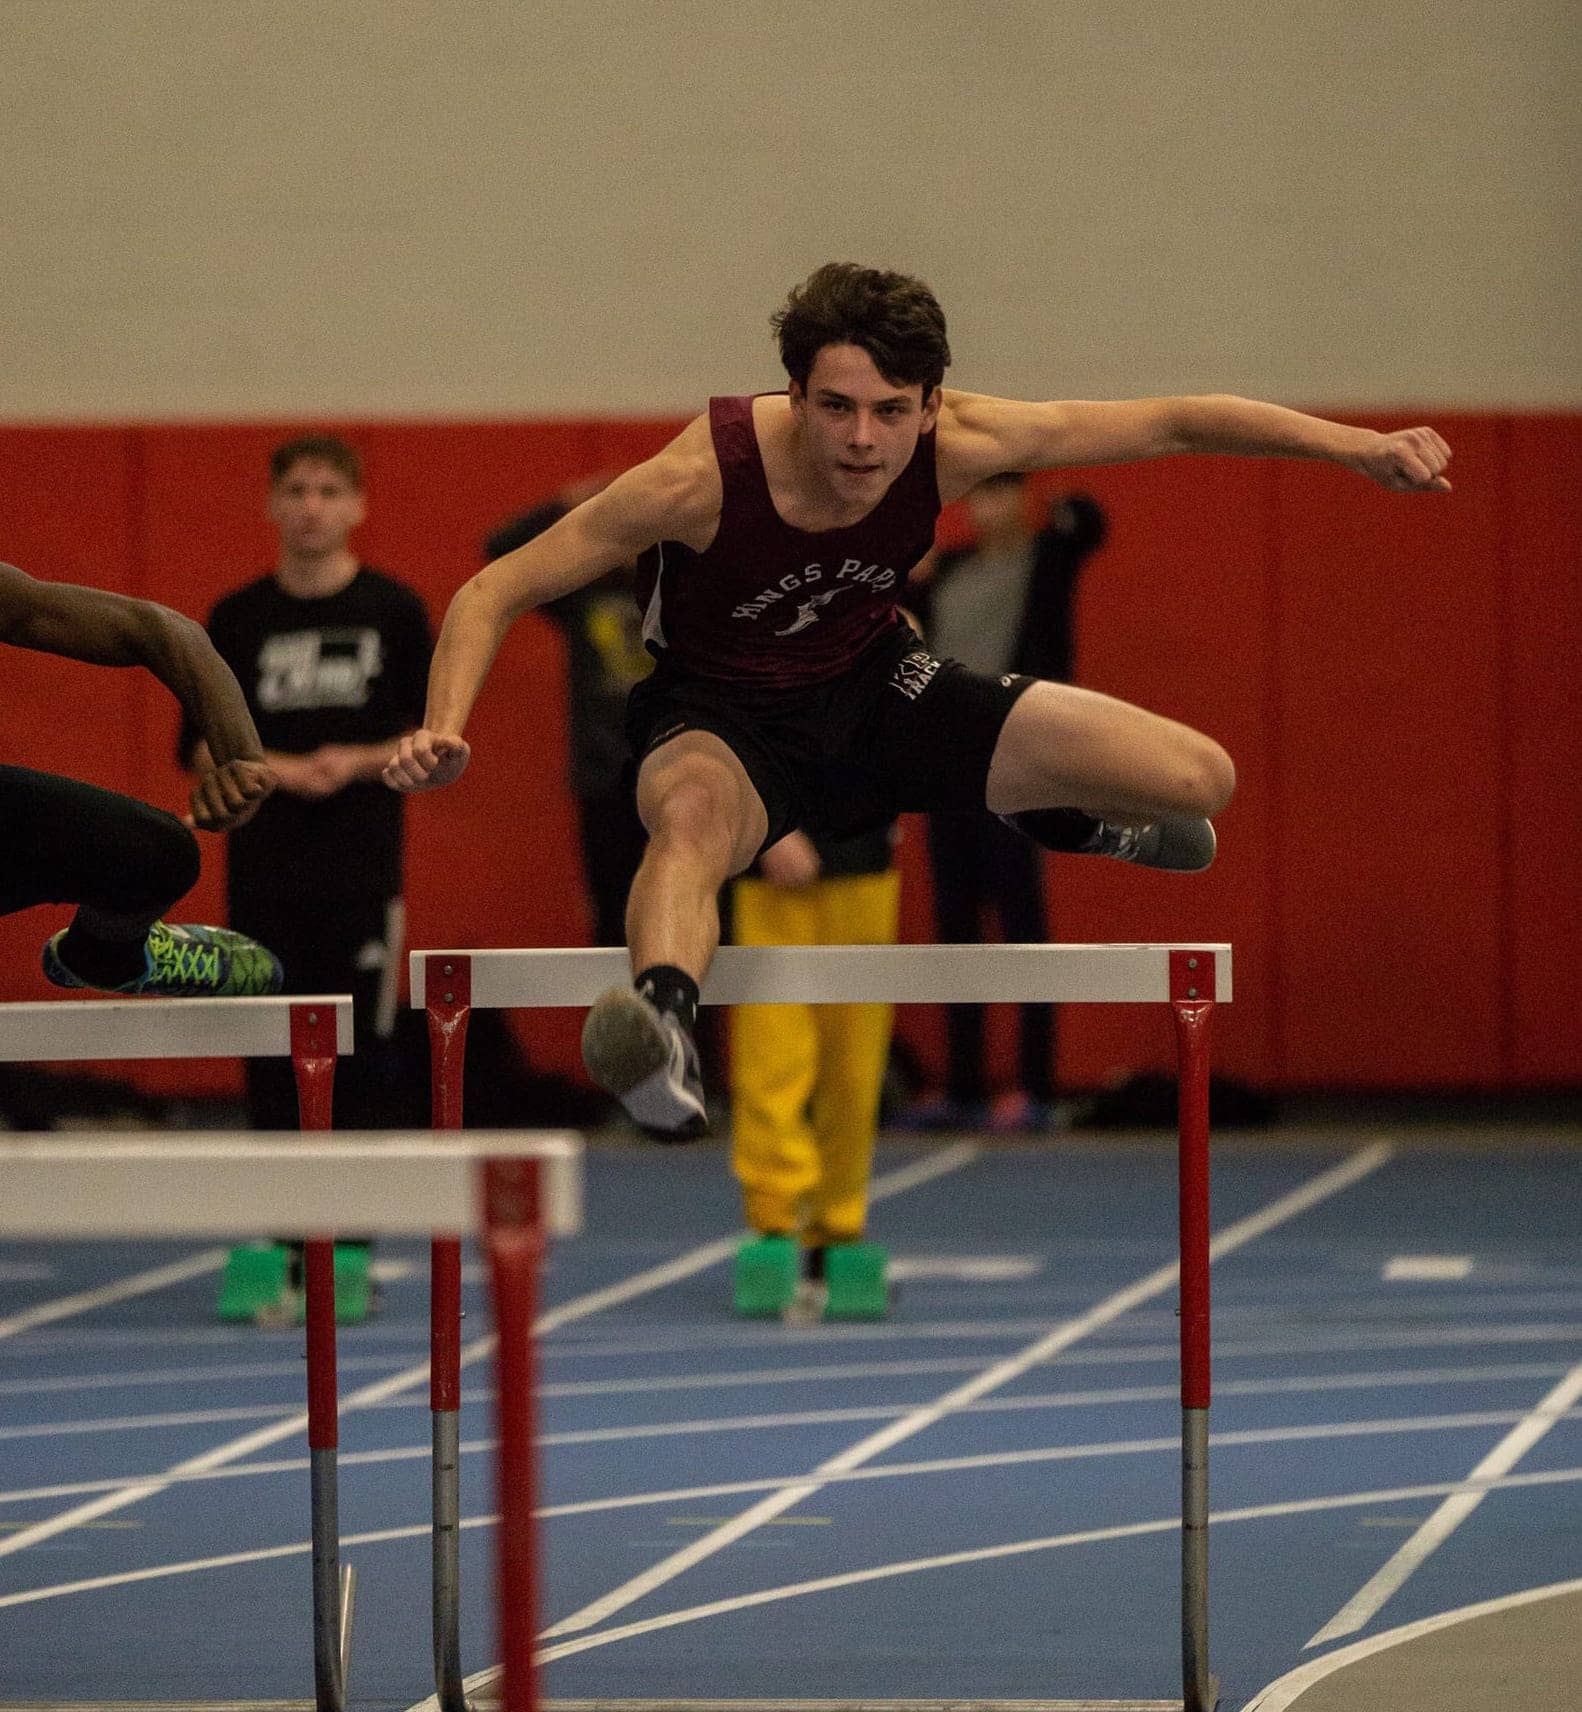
771	603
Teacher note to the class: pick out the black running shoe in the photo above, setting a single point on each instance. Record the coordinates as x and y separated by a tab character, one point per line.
648	1061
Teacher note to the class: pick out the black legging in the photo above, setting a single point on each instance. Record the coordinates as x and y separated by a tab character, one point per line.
64	842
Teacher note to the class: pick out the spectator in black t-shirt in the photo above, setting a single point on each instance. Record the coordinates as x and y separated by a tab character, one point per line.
333	659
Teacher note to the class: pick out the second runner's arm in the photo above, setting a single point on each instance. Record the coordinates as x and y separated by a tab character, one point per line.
107	629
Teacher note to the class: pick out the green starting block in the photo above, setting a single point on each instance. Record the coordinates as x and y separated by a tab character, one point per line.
256	1286
768	1270
854	1274
766	1277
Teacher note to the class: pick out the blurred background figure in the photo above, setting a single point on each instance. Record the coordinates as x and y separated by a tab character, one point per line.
1004	604
805	1083
332	657
604	658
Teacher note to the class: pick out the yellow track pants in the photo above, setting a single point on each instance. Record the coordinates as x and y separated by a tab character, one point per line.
805	1079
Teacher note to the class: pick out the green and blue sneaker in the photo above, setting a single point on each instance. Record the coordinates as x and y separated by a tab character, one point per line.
186	962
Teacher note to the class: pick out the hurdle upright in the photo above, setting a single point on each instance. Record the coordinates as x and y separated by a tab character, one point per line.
312	1032
516	1188
1191	979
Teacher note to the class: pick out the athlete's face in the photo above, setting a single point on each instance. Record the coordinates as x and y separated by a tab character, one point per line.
315	508
860	429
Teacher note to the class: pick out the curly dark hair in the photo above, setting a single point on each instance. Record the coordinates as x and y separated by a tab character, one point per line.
896	319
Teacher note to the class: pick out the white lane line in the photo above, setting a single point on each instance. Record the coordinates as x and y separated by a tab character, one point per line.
751	1377
1027	1401
595	1301
1001	1373
829	1417
205	1376
951	1560
1107	1355
139	1284
142	1423
735	1488
1280	1694
1364	1604
1426	1268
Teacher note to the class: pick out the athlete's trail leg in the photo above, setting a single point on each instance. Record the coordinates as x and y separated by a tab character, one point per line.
705	822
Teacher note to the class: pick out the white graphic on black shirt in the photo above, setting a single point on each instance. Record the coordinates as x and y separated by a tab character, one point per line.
807	611
914	672
853	573
303	669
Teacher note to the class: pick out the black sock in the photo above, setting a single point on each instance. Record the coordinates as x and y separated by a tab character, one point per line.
1064	829
102	962
668	988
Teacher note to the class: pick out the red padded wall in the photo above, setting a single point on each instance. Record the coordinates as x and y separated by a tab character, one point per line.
66	515
1544	687
1395	678
1392	799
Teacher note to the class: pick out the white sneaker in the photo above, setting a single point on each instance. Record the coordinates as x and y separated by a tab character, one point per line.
648	1061
1181	843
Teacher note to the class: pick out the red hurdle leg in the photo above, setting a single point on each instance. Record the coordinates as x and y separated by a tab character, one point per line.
448	999
1192	1001
313	1046
512	1210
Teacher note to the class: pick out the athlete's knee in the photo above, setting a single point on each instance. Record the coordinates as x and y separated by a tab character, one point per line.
157	858
1209	778
695	809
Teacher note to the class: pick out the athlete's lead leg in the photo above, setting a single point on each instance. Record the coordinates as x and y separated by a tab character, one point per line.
1083	772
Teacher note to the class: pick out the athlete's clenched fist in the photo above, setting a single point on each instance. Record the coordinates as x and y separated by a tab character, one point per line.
1411	460
424	760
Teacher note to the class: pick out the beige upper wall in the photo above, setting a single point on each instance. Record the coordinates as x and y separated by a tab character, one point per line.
277	208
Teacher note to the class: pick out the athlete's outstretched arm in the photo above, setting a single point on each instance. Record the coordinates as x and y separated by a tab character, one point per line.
115	630
979	436
675	496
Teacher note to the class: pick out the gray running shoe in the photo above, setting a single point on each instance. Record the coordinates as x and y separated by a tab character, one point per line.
647	1060
1182	844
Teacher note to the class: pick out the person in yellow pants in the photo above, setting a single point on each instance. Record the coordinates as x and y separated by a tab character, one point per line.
805	1085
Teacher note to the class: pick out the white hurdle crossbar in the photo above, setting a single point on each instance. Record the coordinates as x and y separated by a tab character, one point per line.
1191	979
845	974
219	1183
312	1031
69	1030
516	1187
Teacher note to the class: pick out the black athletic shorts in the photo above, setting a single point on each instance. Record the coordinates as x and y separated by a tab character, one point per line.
900	731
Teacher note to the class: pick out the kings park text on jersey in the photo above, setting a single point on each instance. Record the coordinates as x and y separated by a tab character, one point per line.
851	571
